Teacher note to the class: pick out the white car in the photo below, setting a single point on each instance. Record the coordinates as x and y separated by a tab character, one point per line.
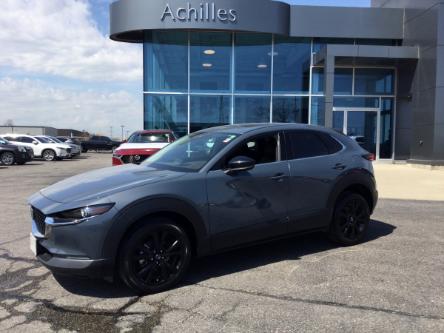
41	146
75	149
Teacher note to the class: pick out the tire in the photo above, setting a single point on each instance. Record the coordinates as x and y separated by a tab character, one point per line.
49	155
350	219
7	158
155	256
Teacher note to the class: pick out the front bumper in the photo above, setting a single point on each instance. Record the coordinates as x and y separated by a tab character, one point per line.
74	250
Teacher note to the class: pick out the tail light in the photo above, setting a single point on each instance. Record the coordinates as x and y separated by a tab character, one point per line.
369	157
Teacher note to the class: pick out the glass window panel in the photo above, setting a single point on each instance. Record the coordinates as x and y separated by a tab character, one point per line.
210	61
252	62
291	64
317	80
361	126
290	110
343	84
343	81
338	121
319	43
374	81
386	145
249	109
209	111
167	112
317	111
166	61
356	102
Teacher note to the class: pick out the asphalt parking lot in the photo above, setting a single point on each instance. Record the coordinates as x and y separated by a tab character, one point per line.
393	282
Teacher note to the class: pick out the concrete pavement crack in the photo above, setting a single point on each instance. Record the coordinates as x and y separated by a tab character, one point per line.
326	303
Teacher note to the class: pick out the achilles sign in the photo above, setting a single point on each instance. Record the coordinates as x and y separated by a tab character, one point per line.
205	12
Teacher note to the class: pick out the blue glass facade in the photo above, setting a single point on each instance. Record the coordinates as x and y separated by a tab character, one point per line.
194	80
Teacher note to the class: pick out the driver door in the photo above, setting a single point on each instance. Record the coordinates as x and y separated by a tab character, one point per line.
248	206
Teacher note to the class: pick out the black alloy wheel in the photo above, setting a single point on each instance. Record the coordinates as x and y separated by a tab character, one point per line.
49	155
155	256
350	220
7	158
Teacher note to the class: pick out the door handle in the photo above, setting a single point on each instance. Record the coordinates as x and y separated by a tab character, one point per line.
279	177
339	166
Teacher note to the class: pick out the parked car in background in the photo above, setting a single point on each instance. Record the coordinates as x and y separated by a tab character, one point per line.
141	145
99	143
75	149
210	191
69	140
14	154
60	143
42	147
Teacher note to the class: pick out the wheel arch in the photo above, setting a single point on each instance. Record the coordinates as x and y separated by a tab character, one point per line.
137	213
357	181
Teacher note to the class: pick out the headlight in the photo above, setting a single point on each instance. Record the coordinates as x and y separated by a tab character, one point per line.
80	214
62	148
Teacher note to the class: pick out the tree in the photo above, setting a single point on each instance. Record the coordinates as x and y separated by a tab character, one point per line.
9	122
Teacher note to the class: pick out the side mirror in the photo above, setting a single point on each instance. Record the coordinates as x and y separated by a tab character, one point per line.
35	142
240	163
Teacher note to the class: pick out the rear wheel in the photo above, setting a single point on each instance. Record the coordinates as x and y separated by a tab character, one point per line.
350	219
155	256
49	155
7	158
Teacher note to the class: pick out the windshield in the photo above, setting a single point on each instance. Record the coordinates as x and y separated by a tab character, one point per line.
192	152
55	139
149	138
42	139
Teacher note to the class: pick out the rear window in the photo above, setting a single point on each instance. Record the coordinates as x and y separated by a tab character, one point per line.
305	144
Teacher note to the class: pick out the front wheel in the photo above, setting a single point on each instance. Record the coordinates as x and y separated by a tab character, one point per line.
350	219
49	155
7	158
155	256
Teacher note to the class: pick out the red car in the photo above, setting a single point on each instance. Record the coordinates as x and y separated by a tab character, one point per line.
141	145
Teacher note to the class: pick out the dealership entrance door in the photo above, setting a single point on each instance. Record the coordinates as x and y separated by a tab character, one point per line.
361	124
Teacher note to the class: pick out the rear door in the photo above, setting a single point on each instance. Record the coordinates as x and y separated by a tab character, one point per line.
315	163
249	205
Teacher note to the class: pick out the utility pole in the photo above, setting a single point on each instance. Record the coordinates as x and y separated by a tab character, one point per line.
122	126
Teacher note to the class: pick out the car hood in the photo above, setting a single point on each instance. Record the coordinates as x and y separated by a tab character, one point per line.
104	182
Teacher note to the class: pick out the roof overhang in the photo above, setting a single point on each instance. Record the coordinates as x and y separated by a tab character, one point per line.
366	54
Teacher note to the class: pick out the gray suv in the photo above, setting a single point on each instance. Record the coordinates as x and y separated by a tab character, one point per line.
210	191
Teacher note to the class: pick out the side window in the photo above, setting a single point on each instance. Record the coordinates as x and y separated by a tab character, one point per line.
333	145
25	139
95	138
304	144
263	149
10	139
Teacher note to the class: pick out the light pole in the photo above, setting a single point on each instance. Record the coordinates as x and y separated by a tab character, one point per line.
111	132
122	126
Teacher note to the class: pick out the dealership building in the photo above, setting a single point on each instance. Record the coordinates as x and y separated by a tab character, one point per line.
376	74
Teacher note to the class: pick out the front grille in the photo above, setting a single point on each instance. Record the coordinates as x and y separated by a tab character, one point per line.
39	219
136	159
68	150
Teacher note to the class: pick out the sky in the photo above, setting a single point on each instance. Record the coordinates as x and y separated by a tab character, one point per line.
59	68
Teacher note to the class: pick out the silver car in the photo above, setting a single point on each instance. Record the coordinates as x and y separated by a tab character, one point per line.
211	191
